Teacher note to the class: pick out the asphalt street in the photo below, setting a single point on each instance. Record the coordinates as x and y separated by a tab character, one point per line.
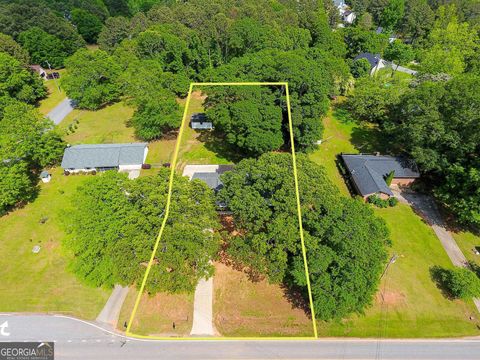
76	339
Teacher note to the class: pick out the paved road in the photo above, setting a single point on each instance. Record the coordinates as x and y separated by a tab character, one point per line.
61	111
75	339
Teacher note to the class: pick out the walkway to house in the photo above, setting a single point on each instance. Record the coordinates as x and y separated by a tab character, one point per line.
203	309
111	311
428	210
60	111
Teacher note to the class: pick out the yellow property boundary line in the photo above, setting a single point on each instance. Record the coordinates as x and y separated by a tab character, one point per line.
167	209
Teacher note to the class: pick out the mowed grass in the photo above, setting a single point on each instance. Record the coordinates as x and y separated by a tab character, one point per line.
245	308
105	126
408	304
40	282
157	314
55	95
193	150
468	241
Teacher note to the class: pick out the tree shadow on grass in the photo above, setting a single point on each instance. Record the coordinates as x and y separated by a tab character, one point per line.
296	298
219	146
438	275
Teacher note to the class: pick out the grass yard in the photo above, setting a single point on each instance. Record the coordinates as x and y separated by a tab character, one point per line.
40	282
195	147
107	125
54	97
467	241
156	315
412	305
245	308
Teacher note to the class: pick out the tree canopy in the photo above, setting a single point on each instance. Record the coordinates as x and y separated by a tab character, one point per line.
261	195
115	221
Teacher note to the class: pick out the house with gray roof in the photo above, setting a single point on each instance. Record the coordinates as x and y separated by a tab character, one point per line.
209	174
100	157
199	121
368	173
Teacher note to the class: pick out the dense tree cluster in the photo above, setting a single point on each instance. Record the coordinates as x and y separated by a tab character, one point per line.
345	242
118	250
203	41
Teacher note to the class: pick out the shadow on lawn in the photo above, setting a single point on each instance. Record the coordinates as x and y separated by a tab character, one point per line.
438	276
219	146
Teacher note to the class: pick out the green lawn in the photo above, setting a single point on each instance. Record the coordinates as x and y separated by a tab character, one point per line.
104	126
413	305
467	241
40	282
54	97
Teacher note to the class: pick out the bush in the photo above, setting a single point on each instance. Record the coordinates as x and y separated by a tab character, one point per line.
381	203
460	283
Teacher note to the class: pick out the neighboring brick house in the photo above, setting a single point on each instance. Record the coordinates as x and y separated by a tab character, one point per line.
367	173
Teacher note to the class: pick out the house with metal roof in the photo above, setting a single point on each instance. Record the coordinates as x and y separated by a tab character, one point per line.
100	157
368	173
199	121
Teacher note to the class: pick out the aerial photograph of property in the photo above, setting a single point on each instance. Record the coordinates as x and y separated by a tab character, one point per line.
240	179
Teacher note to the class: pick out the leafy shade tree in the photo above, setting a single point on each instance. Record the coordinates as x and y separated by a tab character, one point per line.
11	47
250	118
43	47
309	85
156	117
373	99
16	184
21	15
345	242
18	82
360	68
91	79
114	31
417	21
392	14
88	25
359	41
451	45
439	126
115	222
460	283
399	52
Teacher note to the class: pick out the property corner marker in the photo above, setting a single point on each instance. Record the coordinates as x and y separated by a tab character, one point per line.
167	209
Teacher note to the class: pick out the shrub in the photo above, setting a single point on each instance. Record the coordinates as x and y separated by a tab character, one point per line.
461	283
381	203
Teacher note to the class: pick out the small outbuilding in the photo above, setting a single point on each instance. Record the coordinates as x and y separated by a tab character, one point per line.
199	121
368	173
45	176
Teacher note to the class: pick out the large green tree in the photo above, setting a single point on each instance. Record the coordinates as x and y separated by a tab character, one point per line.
345	242
115	221
249	118
18	82
91	78
44	49
88	25
11	47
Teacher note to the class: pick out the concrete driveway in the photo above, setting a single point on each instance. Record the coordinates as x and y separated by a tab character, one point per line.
61	111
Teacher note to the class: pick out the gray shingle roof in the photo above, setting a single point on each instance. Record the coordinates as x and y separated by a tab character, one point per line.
373	59
103	155
369	171
212	179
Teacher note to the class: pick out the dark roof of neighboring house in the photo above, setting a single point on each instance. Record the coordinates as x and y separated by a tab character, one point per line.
212	179
103	155
369	171
373	59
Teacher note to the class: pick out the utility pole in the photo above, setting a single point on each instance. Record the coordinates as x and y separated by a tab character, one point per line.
54	79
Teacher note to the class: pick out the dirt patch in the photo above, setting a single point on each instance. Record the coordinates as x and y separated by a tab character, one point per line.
391	298
245	308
